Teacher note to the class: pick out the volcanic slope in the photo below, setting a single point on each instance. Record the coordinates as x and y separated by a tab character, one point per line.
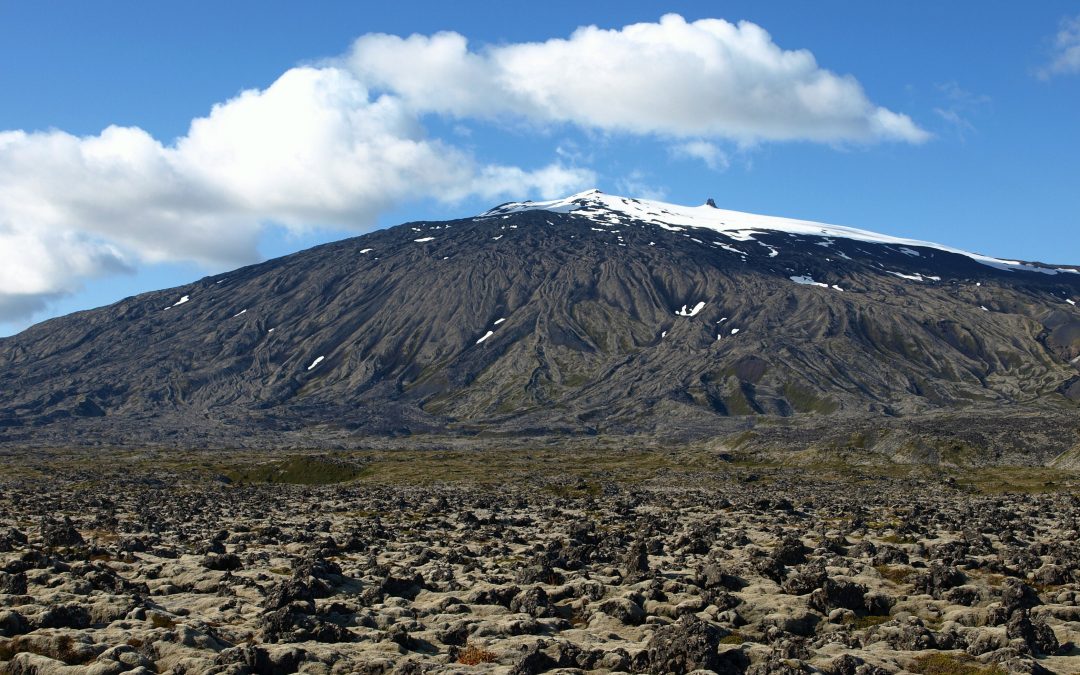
592	314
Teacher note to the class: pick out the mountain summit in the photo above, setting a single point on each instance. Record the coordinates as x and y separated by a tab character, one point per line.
585	315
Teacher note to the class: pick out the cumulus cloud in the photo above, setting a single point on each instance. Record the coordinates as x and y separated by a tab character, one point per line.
314	148
1066	50
706	79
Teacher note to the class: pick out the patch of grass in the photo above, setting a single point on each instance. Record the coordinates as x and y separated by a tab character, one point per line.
742	438
104	536
161	621
949	664
299	471
735	638
577	490
896	574
559	471
473	655
864	622
1019	480
897	539
737	403
805	401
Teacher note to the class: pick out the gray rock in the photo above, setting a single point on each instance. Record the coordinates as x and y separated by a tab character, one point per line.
689	644
59	533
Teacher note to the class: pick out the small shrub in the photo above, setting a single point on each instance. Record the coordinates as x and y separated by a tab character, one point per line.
473	656
995	579
66	652
897	575
161	621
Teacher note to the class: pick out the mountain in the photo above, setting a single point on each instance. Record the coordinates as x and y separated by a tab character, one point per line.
590	315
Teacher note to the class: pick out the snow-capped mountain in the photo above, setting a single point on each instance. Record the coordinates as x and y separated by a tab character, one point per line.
594	314
613	211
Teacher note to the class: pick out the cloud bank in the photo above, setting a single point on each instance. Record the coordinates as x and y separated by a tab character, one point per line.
338	144
709	78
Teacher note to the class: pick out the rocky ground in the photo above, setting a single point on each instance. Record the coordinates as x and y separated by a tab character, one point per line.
489	564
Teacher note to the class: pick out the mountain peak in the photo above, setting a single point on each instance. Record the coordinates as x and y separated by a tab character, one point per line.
615	210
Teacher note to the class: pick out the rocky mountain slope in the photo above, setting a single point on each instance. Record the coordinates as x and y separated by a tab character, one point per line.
589	315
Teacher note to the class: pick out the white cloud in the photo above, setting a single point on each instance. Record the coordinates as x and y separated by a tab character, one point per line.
709	153
1066	50
706	79
314	148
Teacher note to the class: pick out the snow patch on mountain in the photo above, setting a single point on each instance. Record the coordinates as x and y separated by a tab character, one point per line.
691	312
612	209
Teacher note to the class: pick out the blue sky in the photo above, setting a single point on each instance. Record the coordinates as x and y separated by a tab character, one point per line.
978	150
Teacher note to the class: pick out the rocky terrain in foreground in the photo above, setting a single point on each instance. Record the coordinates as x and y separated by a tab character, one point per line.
114	568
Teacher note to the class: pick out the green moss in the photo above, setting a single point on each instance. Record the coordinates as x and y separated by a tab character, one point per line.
574	472
508	405
805	401
575	380
742	439
736	403
864	622
298	471
897	575
575	490
1019	480
897	539
949	664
